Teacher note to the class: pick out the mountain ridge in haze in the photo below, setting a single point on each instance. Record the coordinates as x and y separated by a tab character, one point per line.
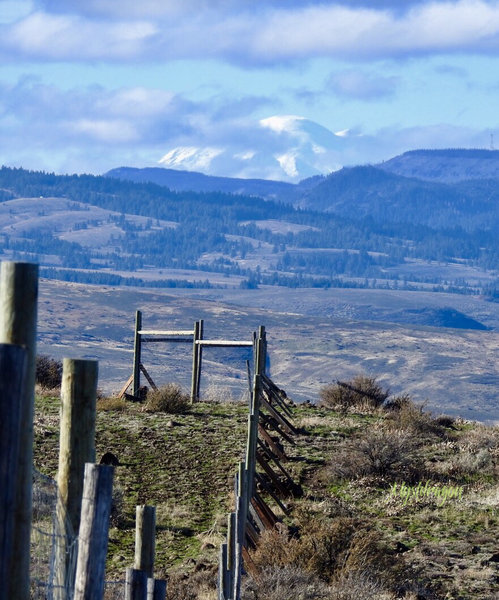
445	166
388	191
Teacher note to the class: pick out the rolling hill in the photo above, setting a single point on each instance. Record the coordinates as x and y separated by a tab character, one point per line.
445	166
387	197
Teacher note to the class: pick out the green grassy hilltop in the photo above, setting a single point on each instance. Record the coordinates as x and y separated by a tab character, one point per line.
352	534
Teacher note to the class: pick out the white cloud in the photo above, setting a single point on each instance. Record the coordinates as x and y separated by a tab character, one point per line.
110	131
62	37
249	32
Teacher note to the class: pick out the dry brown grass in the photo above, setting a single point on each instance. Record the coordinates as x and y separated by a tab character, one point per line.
360	392
112	404
283	583
325	548
377	451
201	585
169	399
403	414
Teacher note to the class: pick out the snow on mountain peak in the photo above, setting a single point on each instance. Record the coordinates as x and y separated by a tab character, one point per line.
282	123
190	158
287	147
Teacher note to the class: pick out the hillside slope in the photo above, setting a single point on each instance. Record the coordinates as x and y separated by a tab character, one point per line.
386	197
445	166
358	529
182	181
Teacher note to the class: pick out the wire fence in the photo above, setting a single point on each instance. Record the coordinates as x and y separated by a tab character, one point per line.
53	540
48	535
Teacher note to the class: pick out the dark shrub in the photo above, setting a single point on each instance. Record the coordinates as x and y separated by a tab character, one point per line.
48	372
358	392
390	454
169	398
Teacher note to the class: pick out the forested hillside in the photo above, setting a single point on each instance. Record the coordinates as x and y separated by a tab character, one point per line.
255	240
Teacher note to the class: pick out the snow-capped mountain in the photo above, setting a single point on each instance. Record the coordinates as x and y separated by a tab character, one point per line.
281	147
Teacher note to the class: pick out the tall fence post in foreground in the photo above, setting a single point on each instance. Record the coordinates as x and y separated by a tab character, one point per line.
156	589
145	539
12	372
137	347
18	314
76	447
135	585
93	535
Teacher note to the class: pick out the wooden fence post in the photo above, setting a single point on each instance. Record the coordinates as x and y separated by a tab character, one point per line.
145	539
156	589
18	314
195	364
200	357
93	535
76	447
137	351
254	415
231	549
12	372
135	585
238	549
224	590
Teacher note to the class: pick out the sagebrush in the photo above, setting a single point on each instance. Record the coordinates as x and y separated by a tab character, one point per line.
169	398
359	392
48	372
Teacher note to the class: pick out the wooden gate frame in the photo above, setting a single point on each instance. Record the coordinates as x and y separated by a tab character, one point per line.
192	336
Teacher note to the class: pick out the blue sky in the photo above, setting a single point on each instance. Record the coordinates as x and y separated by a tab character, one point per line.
86	86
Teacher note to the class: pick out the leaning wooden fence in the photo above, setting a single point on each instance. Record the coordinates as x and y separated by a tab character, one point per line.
269	415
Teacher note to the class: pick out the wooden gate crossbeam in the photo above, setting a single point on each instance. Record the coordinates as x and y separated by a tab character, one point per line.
168	339
185	332
179	336
225	343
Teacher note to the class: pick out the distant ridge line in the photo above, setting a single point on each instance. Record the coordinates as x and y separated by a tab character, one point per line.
456	152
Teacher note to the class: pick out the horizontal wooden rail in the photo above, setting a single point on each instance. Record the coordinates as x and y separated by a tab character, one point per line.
224	343
166	333
176	340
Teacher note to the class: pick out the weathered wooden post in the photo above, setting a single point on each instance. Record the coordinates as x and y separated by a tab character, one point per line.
200	357
93	534
254	415
224	590
156	589
242	491
76	447
135	585
137	352
18	314
195	364
12	373
145	539
239	528
231	549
